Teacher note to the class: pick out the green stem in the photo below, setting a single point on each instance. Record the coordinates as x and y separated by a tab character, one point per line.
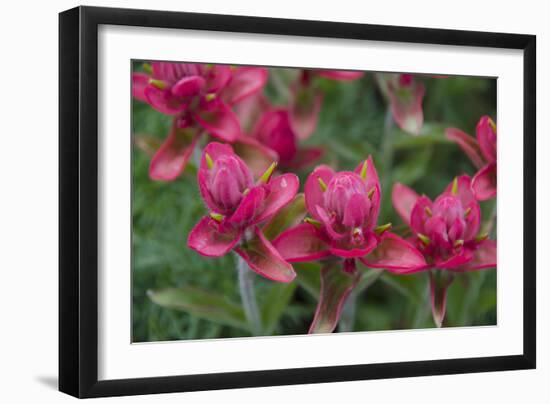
471	296
423	311
246	289
347	318
280	85
387	152
489	226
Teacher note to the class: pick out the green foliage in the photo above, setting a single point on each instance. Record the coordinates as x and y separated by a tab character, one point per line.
178	294
289	216
276	301
202	304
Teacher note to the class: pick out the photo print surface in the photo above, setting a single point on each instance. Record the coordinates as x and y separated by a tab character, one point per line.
282	201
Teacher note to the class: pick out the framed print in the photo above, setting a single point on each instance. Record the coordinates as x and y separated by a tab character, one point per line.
251	201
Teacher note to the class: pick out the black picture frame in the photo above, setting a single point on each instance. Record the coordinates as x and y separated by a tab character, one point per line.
78	201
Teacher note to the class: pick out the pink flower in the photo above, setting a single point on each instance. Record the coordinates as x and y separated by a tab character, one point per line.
307	99
199	97
237	206
483	154
405	95
446	232
340	75
270	127
344	207
274	130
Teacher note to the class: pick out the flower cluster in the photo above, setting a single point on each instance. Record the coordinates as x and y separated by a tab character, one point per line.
341	229
227	104
200	98
344	210
446	232
483	154
237	206
247	149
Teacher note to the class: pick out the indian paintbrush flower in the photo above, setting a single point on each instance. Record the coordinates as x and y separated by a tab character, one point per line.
447	232
405	95
238	205
199	97
270	126
482	153
306	98
344	208
274	130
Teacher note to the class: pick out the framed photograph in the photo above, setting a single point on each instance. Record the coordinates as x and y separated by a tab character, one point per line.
252	201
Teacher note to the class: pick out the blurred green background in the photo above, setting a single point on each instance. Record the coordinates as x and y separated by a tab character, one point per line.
352	125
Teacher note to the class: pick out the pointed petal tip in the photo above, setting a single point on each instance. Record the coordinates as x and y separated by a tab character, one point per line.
264	259
403	200
207	239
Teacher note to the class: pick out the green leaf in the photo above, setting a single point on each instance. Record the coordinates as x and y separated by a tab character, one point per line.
291	215
487	301
206	305
368	277
309	277
469	304
355	150
413	167
403	284
431	134
274	305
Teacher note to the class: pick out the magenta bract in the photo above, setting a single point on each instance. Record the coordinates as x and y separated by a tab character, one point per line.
199	97
482	153
237	205
405	95
344	208
446	232
275	131
340	75
306	98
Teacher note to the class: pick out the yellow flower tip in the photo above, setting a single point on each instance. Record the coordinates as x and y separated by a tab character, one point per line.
364	168
493	125
481	237
458	243
425	239
218	217
209	97
322	184
209	161
246	191
312	221
428	211
371	193
467	212
382	228
454	188
147	68
161	85
266	176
